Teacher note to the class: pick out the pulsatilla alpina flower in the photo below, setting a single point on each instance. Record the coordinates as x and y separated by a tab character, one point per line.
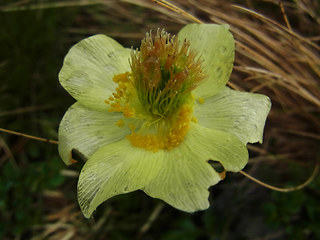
152	119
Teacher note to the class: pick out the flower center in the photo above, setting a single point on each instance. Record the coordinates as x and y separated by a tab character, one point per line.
155	97
167	139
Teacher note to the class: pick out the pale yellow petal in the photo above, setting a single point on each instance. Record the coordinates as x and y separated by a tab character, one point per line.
89	67
87	130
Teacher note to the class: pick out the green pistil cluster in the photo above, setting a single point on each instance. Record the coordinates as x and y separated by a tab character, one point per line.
164	73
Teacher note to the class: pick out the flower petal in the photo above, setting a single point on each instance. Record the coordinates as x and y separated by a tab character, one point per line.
181	176
239	113
115	169
187	175
215	45
87	130
89	67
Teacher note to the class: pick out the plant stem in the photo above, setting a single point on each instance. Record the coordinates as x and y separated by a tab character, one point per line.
291	189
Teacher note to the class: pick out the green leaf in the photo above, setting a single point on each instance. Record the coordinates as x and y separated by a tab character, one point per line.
215	45
87	130
89	67
239	113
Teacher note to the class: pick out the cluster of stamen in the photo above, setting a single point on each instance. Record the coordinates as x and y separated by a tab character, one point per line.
119	101
163	74
175	135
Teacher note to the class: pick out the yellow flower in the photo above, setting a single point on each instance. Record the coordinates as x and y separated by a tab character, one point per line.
152	119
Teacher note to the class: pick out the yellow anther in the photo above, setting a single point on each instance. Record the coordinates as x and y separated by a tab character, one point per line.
121	77
116	95
132	127
114	105
128	112
201	100
106	101
120	123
